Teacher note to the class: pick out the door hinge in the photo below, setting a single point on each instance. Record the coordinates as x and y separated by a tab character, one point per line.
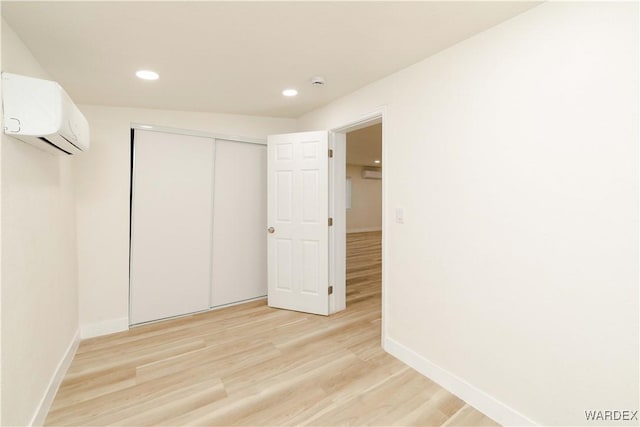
330	222
330	153
330	290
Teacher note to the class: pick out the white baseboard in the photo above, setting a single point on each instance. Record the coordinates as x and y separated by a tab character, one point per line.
363	230
103	328
493	408
45	403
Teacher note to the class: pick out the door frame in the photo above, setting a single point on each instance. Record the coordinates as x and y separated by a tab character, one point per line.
337	209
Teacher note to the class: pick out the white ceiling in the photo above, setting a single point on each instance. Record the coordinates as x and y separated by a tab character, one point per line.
364	146
236	57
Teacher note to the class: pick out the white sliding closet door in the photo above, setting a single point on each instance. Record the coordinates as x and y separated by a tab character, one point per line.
171	225
239	270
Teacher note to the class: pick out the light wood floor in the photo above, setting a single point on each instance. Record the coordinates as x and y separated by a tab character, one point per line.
253	365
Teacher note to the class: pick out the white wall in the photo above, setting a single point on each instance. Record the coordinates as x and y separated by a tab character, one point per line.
102	188
39	269
366	202
514	278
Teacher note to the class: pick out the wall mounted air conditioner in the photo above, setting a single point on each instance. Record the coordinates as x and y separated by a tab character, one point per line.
41	113
371	174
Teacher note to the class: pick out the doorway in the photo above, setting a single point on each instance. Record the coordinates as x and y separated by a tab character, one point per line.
363	206
364	180
300	178
358	247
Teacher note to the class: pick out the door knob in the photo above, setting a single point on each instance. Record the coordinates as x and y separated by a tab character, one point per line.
271	230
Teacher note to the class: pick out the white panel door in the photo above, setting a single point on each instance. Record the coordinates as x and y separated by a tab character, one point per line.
297	217
170	225
239	267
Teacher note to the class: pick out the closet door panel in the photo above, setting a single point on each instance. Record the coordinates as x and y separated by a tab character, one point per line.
171	225
239	267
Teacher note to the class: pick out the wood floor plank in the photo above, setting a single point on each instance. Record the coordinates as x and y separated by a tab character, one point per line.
468	416
254	365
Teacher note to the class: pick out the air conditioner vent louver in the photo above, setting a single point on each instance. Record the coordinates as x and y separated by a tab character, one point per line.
371	174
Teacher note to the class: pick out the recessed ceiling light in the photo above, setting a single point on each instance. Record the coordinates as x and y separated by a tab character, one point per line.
147	75
289	92
377	162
